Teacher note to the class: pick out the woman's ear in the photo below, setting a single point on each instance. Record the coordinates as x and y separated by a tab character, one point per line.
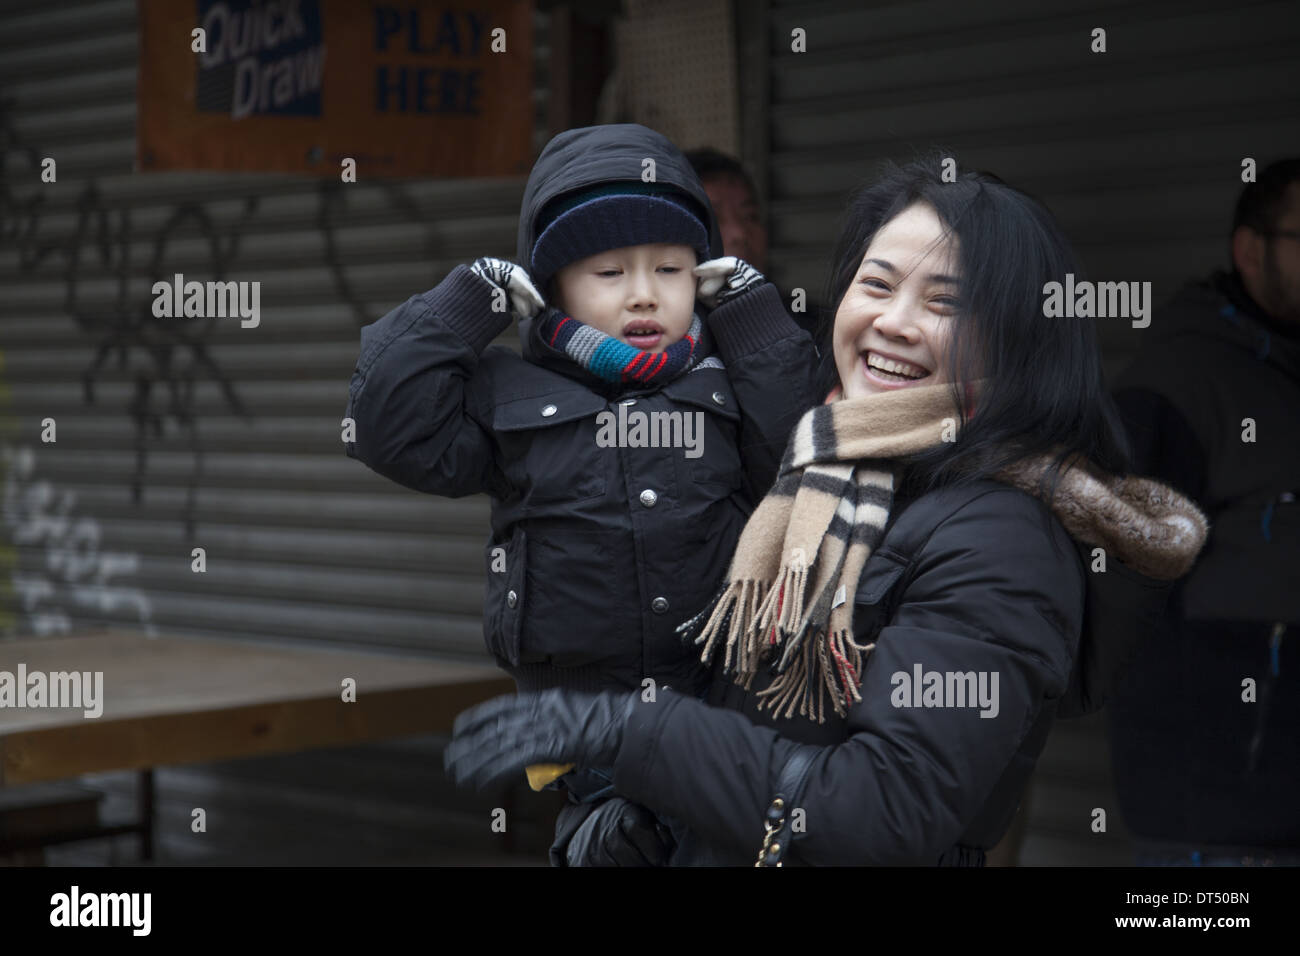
834	395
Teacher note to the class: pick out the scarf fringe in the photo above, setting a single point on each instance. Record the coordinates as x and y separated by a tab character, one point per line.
839	664
728	613
783	604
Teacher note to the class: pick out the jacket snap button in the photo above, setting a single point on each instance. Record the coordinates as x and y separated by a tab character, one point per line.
548	411
720	398
659	604
648	498
512	598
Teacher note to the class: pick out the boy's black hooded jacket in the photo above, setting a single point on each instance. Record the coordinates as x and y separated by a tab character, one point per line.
603	550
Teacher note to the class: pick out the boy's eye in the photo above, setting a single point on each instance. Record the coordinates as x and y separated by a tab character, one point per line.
608	272
670	268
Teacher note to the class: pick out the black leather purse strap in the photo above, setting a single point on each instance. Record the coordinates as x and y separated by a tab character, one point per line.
789	791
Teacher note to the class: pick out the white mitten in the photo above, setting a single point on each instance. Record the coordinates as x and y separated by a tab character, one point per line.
524	297
721	280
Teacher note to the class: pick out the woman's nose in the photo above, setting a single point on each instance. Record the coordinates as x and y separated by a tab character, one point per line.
897	321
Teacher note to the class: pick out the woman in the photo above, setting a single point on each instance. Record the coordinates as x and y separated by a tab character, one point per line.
906	611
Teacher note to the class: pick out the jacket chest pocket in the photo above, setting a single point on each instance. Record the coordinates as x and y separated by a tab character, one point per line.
877	595
712	457
548	445
503	606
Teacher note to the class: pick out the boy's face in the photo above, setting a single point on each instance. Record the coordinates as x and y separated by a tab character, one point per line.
641	295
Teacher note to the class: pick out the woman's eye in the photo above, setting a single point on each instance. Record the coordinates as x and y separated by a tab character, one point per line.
874	284
607	272
945	301
670	269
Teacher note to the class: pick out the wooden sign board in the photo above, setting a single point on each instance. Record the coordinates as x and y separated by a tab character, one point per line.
409	88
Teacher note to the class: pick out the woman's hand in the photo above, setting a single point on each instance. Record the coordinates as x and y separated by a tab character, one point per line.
620	833
496	740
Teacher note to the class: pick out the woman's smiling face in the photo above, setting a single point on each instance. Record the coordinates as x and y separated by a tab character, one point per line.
893	324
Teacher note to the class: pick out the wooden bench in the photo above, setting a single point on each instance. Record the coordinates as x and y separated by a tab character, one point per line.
37	816
173	700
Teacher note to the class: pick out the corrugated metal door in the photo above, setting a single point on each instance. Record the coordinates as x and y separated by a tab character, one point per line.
1137	151
174	434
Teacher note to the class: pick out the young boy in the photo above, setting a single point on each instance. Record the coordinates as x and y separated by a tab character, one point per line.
625	448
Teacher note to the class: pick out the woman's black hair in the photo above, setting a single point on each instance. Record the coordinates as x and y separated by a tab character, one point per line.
1044	390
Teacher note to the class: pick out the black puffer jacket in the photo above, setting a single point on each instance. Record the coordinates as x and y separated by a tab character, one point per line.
980	578
1193	762
605	549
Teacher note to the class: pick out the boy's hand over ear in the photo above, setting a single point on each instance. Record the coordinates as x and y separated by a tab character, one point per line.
721	280
524	297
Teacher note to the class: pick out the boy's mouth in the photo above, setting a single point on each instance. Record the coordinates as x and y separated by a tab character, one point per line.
643	333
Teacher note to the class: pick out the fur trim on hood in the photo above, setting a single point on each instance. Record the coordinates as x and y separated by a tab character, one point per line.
1144	524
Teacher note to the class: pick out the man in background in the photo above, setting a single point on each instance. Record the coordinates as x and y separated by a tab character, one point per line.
1205	732
740	219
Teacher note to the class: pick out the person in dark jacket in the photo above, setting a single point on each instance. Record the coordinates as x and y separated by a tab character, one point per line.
737	205
948	560
627	445
1207	770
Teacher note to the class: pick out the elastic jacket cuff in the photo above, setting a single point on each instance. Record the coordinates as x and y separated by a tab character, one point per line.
463	301
750	322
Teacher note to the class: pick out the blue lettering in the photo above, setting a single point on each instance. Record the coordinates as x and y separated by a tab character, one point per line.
387	22
447	35
383	88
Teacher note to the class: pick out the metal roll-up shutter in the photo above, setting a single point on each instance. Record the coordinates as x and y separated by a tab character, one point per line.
1137	151
176	434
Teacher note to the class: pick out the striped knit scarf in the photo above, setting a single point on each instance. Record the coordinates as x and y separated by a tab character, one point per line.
615	361
790	588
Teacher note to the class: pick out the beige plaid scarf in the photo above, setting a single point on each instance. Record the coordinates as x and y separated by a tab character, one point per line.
789	592
791	584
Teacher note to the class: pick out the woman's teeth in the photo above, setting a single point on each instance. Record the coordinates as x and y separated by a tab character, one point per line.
894	371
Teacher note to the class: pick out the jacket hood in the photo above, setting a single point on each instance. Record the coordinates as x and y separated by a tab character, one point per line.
1144	524
1151	535
592	155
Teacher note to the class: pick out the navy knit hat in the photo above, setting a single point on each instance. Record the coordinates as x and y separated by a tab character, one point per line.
611	216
